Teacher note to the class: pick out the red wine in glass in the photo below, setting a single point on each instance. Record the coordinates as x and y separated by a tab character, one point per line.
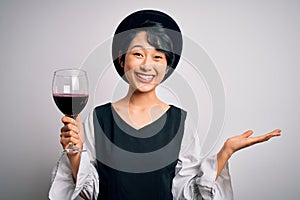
70	104
70	94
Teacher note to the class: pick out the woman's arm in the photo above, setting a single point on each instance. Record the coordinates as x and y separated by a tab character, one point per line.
82	169
236	143
72	132
196	176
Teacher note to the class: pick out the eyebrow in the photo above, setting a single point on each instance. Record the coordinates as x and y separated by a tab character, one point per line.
142	47
137	46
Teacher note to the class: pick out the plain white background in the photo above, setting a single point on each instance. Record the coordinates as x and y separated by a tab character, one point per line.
255	46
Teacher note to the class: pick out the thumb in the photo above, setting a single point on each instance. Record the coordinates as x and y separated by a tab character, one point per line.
247	133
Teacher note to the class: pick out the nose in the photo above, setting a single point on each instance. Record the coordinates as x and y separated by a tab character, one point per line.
147	63
146	67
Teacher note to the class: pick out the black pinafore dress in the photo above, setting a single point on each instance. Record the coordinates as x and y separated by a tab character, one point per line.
137	164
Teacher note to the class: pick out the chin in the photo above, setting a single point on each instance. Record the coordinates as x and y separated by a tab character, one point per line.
145	88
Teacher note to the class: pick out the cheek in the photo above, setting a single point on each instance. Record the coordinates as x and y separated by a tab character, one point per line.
131	63
162	69
161	72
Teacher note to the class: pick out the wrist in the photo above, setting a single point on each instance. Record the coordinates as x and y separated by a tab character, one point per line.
74	159
226	152
222	157
74	156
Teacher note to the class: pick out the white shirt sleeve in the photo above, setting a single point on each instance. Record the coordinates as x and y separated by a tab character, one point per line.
194	179
195	176
87	184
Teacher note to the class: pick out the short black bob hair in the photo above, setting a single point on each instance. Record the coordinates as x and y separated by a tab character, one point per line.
163	34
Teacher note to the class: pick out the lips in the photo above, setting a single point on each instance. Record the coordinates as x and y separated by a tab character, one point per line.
144	77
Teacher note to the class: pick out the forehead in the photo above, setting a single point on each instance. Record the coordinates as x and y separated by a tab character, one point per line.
140	40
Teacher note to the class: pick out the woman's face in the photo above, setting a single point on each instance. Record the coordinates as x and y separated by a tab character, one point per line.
144	66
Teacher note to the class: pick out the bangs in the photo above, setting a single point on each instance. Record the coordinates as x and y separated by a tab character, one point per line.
157	38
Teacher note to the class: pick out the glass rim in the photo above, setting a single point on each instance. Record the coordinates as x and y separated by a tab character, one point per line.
60	72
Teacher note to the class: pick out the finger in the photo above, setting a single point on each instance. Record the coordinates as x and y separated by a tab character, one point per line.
70	127
273	134
66	141
68	120
266	137
69	134
276	132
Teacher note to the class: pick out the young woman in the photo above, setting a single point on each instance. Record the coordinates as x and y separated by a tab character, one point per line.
140	147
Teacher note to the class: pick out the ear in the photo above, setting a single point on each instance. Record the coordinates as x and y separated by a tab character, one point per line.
120	59
167	69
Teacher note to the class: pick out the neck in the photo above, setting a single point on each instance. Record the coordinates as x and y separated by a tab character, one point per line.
140	108
141	100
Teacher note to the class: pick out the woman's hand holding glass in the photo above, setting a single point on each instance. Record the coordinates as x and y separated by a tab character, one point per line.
72	133
71	139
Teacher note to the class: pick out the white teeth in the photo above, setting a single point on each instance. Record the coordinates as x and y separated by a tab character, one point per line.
145	77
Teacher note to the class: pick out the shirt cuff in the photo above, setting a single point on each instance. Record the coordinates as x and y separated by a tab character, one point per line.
83	174
209	187
63	185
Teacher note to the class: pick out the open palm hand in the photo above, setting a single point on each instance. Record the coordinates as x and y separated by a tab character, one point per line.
244	140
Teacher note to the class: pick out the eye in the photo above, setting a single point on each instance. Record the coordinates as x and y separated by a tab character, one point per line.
158	57
138	54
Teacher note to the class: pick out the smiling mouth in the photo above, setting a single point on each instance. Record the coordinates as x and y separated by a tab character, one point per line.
144	77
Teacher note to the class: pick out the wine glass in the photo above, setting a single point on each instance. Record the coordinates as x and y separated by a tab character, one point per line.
70	92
